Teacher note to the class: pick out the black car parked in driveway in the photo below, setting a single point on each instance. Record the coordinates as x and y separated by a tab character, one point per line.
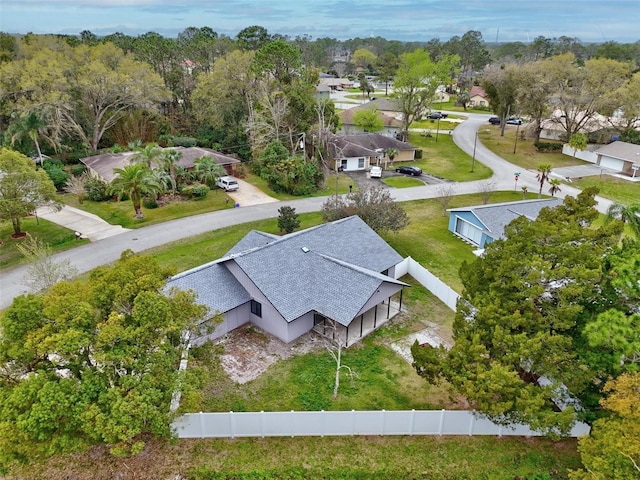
436	115
494	120
409	170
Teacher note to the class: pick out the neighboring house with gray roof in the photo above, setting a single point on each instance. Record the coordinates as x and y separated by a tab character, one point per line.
620	156
359	152
482	224
104	164
337	273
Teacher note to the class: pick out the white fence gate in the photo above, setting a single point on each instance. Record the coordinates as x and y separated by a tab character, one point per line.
347	423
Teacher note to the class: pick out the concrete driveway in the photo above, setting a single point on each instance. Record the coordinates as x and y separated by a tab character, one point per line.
577	171
362	179
248	195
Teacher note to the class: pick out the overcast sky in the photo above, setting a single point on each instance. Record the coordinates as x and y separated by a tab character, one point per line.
407	20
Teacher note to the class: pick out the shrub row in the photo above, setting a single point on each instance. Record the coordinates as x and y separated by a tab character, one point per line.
548	146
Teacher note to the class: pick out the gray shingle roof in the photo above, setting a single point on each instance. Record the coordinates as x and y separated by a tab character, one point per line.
498	215
629	152
364	144
214	285
332	268
251	240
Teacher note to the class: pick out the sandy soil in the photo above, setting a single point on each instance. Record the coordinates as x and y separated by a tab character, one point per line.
249	351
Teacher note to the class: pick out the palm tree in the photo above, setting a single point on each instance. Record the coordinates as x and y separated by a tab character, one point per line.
171	158
149	154
629	214
33	126
555	186
207	170
135	180
544	169
391	153
524	192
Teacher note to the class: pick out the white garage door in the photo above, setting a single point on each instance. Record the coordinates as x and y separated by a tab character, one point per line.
612	163
468	231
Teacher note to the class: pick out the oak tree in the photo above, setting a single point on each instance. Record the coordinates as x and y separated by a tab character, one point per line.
92	362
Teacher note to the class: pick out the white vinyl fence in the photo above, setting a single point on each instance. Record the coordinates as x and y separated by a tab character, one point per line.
324	423
586	155
428	280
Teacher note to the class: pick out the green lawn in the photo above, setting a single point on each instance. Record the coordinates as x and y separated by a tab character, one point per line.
59	238
122	213
402	182
433	125
445	159
328	458
526	155
614	188
329	187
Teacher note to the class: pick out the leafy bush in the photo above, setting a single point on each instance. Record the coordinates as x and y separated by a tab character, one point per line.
57	175
548	146
78	169
150	203
96	190
52	163
197	190
295	175
184	142
418	154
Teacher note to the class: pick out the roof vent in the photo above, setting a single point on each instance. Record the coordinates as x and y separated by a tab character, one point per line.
305	249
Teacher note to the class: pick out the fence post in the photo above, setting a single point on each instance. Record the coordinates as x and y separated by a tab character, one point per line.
382	415
262	423
413	421
324	427
500	431
441	422
201	418
472	423
232	423
293	424
353	422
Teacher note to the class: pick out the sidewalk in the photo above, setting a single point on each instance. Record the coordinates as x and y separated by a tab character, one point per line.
87	224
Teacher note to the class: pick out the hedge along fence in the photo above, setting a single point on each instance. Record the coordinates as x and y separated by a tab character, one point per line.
348	423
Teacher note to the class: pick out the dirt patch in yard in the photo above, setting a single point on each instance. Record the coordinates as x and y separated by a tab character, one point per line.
249	351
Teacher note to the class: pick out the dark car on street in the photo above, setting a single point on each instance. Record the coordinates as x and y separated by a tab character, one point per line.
494	120
409	170
436	115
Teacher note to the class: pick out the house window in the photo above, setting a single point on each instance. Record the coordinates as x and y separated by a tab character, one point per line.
256	308
343	163
361	163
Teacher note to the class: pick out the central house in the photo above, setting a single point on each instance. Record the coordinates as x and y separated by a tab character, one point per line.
338	277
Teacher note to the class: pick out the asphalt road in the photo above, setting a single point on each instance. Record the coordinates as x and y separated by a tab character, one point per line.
108	250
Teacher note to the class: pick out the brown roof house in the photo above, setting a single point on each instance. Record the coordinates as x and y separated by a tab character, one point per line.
338	278
478	97
391	128
620	156
103	165
361	151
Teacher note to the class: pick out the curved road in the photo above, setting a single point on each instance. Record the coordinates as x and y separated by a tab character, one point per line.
108	250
